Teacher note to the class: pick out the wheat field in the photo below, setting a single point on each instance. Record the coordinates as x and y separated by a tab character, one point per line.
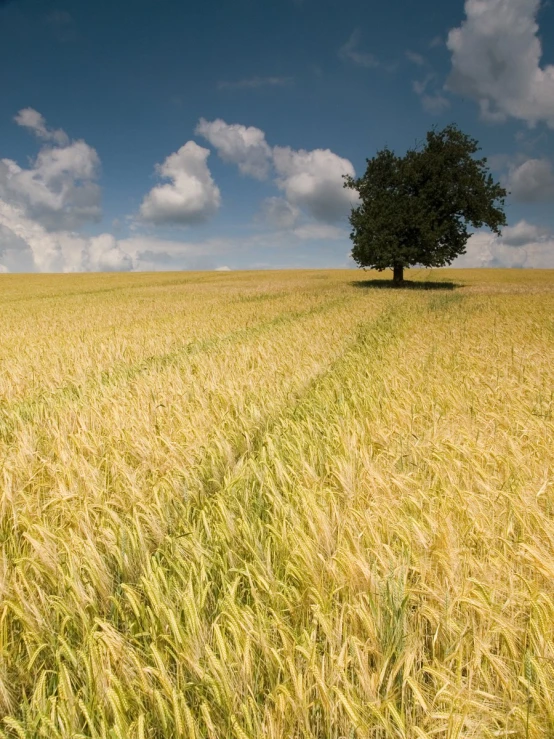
277	504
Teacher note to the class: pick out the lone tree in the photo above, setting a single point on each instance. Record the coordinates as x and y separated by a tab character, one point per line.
416	209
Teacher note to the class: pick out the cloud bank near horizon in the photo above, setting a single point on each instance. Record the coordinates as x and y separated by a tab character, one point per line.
44	206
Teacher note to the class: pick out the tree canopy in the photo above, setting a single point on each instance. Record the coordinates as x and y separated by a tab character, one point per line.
416	209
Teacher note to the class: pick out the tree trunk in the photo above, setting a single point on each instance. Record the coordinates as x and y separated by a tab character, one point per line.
398	274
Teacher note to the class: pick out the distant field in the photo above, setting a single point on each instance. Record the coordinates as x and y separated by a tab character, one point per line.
277	504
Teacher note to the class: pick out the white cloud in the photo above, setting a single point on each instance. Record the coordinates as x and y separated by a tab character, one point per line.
40	205
496	57
244	146
310	179
314	180
531	181
135	246
349	52
15	254
153	253
485	250
25	245
521	245
277	248
34	121
224	268
191	196
523	233
31	240
106	255
58	189
279	213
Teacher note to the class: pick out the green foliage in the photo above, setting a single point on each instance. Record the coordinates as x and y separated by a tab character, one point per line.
416	209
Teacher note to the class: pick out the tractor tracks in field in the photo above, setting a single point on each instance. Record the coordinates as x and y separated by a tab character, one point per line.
369	342
380	332
215	476
33	408
212	475
244	477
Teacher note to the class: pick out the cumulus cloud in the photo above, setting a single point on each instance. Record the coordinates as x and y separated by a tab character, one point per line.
531	181
485	250
314	180
521	245
496	57
31	119
523	233
191	196
42	204
58	189
350	52
106	255
279	213
25	245
15	255
154	254
244	146
268	248
138	245
30	239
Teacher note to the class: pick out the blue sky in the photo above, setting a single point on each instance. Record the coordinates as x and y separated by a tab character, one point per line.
157	134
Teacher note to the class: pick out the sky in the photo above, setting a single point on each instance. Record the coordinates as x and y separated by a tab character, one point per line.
170	135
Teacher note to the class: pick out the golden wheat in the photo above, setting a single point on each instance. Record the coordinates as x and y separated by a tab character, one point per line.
280	504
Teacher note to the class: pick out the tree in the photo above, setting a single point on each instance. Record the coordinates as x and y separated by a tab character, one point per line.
416	209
